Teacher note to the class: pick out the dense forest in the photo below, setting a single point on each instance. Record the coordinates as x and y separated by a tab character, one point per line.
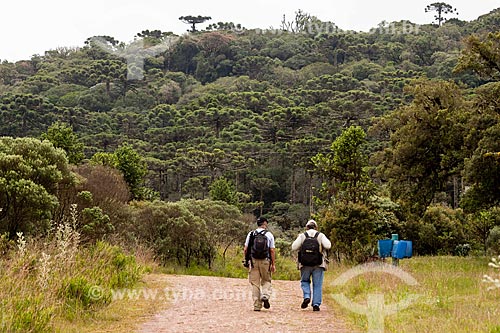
396	130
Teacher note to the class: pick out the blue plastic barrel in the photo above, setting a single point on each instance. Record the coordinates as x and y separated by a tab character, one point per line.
399	249
409	249
384	248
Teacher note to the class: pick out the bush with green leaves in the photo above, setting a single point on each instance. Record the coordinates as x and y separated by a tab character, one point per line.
352	230
130	163
95	224
62	136
440	231
290	216
189	230
493	241
223	189
32	173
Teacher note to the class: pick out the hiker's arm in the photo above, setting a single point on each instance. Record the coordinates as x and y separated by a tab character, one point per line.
248	243
325	242
297	243
246	251
273	259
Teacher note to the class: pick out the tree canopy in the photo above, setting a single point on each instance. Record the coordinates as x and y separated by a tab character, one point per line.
31	174
194	20
441	9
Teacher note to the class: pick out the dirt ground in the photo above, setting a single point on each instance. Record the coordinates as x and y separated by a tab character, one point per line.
215	304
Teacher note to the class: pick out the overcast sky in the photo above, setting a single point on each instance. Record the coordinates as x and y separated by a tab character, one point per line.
32	27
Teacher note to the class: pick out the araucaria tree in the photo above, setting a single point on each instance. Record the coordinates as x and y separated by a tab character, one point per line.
194	20
441	9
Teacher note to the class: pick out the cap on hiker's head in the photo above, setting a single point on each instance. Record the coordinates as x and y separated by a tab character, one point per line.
261	220
311	224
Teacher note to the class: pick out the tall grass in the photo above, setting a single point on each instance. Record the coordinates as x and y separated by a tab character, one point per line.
452	296
51	280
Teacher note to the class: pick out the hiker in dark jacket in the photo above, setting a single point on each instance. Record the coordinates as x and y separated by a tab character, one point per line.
260	258
312	264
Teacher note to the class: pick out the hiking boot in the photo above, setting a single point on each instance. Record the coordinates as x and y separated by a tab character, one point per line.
256	309
315	307
305	303
266	303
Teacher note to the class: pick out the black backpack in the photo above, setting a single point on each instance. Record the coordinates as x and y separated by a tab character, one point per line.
309	254
260	246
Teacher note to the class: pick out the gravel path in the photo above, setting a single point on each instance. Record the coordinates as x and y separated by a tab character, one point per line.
215	304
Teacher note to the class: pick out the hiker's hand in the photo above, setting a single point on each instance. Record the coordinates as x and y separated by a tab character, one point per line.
273	268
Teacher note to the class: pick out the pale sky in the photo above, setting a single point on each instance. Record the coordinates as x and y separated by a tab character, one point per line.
29	27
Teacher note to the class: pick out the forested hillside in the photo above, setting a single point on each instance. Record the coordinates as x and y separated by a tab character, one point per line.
369	131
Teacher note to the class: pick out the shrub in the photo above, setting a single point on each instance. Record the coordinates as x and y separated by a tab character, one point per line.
30	315
5	244
480	227
31	174
105	183
462	250
188	230
78	291
440	231
493	241
351	229
96	224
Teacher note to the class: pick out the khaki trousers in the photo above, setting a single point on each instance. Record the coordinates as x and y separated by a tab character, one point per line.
260	279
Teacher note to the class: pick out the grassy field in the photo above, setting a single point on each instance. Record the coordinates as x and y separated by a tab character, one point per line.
119	316
450	291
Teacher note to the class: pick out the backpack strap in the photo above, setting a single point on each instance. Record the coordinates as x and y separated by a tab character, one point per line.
320	245
263	232
315	235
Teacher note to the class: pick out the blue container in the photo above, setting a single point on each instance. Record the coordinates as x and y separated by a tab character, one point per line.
409	249
399	249
384	248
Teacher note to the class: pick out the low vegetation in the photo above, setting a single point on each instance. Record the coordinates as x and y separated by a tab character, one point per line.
450	295
51	280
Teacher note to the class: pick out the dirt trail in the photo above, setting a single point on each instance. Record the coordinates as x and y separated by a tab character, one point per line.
214	304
